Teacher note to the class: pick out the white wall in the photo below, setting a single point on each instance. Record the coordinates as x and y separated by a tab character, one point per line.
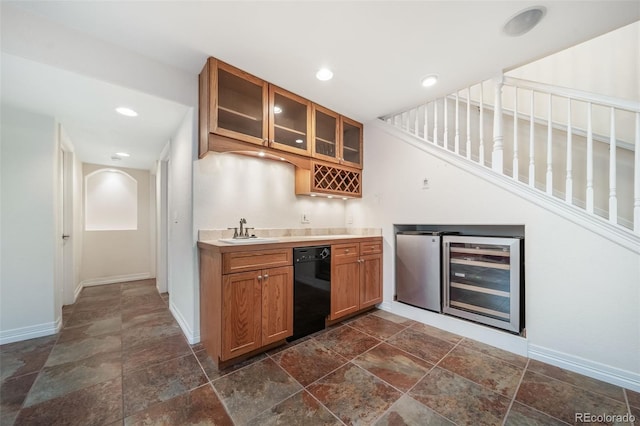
161	225
230	186
77	232
117	256
582	290
182	269
608	64
29	175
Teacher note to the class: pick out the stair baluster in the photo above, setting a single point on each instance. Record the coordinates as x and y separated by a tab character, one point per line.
481	125
532	152
636	178
469	123
550	148
456	141
569	182
516	172
497	162
590	199
613	202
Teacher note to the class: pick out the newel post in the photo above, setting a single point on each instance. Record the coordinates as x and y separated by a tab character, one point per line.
497	156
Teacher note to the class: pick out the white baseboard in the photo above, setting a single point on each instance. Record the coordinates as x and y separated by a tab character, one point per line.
77	291
596	370
518	345
116	279
30	332
192	338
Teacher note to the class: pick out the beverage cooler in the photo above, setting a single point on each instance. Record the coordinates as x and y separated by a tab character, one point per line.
483	280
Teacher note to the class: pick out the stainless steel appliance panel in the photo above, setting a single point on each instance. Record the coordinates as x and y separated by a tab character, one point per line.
418	264
482	280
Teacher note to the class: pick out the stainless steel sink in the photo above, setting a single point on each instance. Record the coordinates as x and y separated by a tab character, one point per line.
255	240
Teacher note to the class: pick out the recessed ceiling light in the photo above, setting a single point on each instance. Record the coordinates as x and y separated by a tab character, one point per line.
299	141
261	154
324	74
429	80
122	154
277	110
524	21
126	111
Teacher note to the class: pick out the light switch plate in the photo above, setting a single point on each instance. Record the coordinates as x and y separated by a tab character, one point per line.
305	218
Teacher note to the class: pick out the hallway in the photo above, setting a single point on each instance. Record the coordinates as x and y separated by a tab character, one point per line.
121	358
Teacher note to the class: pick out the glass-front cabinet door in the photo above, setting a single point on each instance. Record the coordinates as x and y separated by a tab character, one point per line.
239	110
351	147
325	134
290	122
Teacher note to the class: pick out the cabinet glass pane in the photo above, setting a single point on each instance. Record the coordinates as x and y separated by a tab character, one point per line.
239	104
326	134
290	122
351	143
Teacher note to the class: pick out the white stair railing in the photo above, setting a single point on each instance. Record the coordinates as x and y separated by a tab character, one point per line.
590	122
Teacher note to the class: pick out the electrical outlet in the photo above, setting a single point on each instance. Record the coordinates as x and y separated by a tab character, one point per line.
305	218
425	183
349	220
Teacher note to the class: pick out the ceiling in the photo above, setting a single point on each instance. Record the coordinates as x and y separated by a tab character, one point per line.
378	50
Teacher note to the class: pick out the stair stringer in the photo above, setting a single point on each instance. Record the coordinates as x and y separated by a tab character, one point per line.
615	233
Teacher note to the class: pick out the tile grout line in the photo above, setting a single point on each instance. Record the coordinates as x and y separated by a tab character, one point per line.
528	406
495	357
513	398
581	388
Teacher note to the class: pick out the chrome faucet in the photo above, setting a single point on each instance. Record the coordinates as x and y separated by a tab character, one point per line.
243	221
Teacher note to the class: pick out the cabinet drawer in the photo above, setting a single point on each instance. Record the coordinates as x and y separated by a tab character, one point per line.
344	253
370	247
254	260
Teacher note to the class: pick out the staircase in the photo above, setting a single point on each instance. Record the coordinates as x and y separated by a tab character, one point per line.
576	151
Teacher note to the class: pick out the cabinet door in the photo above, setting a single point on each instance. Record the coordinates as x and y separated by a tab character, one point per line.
289	122
370	280
239	104
325	136
277	304
345	279
241	307
351	147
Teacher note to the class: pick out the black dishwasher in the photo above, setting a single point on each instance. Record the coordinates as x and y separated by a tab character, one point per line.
311	289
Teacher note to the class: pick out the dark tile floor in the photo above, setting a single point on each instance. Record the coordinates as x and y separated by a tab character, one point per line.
122	359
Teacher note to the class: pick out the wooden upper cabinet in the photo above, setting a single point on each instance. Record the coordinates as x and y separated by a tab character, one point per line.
237	106
289	122
336	138
351	142
326	134
238	103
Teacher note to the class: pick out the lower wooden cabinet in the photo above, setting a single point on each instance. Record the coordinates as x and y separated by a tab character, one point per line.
241	312
257	310
356	277
246	296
